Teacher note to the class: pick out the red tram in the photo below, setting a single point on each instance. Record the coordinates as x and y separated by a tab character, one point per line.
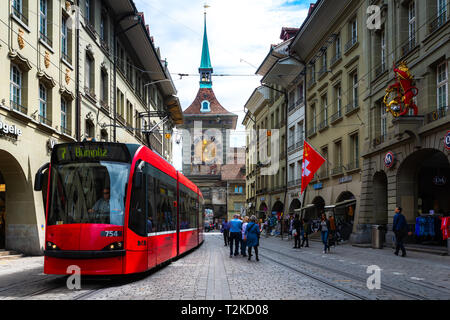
116	208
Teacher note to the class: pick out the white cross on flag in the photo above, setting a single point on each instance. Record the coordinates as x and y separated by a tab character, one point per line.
312	161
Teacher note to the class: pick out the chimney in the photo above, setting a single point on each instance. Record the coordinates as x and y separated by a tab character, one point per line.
311	8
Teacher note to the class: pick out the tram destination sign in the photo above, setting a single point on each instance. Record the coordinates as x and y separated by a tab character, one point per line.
90	151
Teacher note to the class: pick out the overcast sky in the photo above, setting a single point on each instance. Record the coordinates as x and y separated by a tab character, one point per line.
240	33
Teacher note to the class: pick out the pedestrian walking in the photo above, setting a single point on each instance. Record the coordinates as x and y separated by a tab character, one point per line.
400	228
332	235
324	228
243	239
291	221
306	233
226	231
252	234
296	229
235	235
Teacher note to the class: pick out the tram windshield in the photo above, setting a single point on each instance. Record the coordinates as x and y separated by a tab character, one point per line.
92	192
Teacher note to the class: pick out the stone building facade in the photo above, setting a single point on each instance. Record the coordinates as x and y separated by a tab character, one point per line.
65	85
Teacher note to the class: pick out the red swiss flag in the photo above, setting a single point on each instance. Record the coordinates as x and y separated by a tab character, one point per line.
312	161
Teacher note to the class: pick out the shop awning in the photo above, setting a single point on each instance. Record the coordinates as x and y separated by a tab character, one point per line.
309	206
343	204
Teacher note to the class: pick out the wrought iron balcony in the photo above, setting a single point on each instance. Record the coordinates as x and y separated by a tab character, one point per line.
19	15
438	22
337	170
312	131
18	107
436	114
45	121
350	44
409	46
336	116
323	125
352	106
379	140
46	39
353	165
381	69
66	57
66	131
335	58
299	101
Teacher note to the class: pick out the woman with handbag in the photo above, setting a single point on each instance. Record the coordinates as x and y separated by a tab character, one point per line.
252	234
296	231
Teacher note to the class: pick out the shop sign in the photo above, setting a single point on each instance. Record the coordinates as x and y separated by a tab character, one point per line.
447	140
318	186
440	180
389	159
8	129
345	179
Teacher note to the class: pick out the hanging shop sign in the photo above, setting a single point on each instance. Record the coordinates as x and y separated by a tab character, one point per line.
389	159
440	180
447	140
345	179
318	186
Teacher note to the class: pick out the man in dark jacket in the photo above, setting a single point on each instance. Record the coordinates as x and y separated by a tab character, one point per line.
226	231
400	228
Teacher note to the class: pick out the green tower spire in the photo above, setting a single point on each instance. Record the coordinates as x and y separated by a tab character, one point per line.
205	69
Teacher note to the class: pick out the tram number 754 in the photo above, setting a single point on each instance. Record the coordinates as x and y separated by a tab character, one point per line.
111	234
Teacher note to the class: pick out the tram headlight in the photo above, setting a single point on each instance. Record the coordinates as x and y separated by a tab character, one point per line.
51	246
114	246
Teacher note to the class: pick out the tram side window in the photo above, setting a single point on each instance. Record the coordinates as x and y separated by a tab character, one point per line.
164	196
151	216
184	216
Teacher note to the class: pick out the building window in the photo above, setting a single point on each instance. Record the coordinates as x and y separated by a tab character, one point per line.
338	94
42	104
64	38
337	46
354	31
325	110
18	9
104	88
383	121
65	112
354	92
129	114
442	87
354	152
43	20
383	49
205	106
88	10
16	88
89	75
412	23
442	11
89	129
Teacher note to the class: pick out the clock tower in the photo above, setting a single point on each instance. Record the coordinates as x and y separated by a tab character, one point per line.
205	149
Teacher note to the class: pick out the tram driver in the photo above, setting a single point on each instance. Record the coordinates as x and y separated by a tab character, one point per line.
102	208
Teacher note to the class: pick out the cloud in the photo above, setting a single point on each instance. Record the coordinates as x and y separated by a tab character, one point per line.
240	33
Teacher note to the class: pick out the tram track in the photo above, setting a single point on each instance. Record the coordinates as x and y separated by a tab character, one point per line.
319	279
385	287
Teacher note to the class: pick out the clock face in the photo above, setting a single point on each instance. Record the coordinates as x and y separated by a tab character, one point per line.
205	150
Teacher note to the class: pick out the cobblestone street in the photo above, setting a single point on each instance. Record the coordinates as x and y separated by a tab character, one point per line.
283	273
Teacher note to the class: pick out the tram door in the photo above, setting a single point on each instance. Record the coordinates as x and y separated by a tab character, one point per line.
2	212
